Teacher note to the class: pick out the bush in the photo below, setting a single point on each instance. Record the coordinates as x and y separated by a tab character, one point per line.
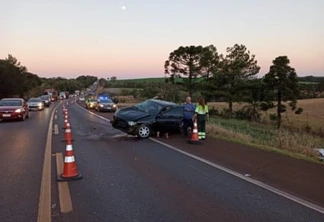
273	116
213	111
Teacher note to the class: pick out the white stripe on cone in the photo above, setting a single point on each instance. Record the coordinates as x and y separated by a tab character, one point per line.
69	147
69	159
68	131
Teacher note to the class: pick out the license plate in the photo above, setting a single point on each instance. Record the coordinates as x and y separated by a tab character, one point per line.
6	115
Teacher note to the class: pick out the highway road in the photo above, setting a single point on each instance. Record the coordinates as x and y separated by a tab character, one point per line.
22	146
124	179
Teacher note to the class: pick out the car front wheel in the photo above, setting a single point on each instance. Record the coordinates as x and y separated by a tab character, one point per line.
144	131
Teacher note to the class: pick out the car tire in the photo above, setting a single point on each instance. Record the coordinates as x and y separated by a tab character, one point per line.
144	131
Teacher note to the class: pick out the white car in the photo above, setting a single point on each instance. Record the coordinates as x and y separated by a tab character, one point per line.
81	99
35	104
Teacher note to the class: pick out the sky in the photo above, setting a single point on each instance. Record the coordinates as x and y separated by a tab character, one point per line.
133	38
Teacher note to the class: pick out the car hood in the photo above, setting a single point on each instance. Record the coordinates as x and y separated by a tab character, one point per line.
9	108
131	114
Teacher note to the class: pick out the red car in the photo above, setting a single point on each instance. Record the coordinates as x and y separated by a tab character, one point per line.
13	108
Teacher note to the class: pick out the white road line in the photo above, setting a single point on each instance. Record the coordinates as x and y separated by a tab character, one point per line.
250	180
236	174
63	187
56	130
55	117
44	206
103	118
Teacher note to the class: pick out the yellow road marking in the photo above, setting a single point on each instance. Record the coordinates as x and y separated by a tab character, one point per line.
63	187
44	206
56	130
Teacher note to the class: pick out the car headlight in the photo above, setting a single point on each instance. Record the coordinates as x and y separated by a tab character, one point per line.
18	110
100	105
40	104
114	105
132	123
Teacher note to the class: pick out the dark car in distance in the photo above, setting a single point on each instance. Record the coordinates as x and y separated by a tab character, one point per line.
105	105
46	99
145	118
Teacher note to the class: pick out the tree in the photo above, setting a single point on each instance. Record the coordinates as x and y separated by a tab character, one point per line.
282	84
113	78
185	63
102	82
209	61
320	86
14	78
233	71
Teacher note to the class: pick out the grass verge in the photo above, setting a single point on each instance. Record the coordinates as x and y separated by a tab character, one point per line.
295	144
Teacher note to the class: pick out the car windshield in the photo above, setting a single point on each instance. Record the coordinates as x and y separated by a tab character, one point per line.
10	102
44	97
35	100
149	107
105	101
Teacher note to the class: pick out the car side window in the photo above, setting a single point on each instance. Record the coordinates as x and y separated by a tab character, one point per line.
173	112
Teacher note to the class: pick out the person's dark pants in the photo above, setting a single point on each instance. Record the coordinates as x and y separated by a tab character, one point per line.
187	123
201	123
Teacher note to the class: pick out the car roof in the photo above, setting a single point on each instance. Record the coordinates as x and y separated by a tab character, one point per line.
163	103
13	99
35	98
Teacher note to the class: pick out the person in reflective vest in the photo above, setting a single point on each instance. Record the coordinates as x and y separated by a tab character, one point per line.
201	114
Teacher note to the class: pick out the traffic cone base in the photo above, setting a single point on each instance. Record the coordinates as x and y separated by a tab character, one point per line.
194	135
61	178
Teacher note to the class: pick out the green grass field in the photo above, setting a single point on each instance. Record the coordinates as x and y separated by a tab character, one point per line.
151	80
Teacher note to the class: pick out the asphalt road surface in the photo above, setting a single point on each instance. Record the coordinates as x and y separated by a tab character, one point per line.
124	179
22	146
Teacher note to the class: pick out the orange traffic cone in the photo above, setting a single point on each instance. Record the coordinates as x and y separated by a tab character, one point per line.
66	124
70	171
68	135
194	139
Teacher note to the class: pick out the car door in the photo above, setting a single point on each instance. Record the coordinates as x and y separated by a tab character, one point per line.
170	118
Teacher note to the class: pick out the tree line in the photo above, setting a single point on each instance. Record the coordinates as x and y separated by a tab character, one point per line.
16	81
233	77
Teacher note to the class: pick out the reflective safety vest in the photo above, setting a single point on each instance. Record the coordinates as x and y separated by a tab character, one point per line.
200	110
